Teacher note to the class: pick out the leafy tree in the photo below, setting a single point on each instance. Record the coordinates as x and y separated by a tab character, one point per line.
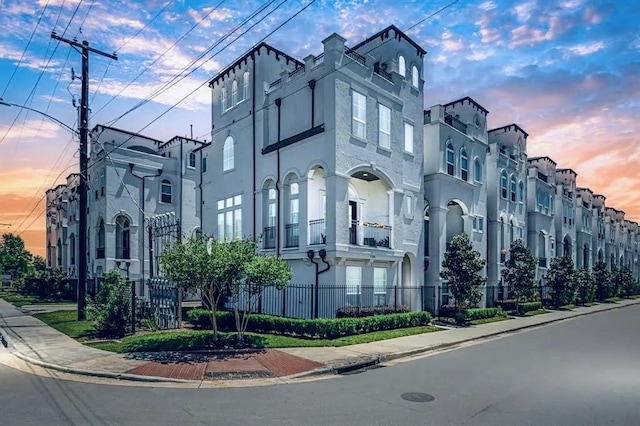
602	277
14	258
190	265
585	286
617	281
520	272
461	268
560	277
626	282
111	308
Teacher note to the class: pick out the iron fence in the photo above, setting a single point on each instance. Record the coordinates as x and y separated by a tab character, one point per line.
298	301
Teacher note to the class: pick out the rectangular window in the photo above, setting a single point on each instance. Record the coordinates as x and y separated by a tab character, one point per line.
354	285
204	165
475	223
230	218
220	226
480	224
384	126
359	115
380	286
408	137
409	205
295	210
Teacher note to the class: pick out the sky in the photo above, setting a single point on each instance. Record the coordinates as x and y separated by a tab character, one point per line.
568	72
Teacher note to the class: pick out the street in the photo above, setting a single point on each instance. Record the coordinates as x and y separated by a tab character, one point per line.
583	371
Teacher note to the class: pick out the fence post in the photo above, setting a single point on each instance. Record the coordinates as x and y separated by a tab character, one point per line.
312	310
395	297
422	298
133	307
284	302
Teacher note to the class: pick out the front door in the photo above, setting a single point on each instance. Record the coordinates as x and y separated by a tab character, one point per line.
353	222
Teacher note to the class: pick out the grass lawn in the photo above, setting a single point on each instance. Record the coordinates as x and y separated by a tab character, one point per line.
536	312
83	331
67	323
497	318
589	304
568	307
18	299
614	299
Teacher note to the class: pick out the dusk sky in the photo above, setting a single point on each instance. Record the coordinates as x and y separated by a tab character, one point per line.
568	72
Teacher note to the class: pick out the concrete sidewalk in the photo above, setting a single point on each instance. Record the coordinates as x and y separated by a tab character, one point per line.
36	343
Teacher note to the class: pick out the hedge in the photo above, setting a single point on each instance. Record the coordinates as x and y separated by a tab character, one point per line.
312	328
523	307
462	316
355	311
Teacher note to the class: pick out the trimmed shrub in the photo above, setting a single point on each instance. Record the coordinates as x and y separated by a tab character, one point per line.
525	307
507	304
449	311
482	313
312	328
357	312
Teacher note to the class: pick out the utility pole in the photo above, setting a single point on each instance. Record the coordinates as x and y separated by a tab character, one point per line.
82	188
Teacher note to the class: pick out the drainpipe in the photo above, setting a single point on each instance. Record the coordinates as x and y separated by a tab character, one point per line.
323	254
181	178
278	103
131	166
312	84
200	190
253	130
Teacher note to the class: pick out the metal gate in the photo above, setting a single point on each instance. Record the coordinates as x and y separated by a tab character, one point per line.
164	297
163	230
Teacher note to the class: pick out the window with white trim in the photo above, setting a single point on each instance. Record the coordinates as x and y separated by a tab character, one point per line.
165	191
228	154
379	286
384	126
477	171
409	206
204	164
464	165
408	137
450	158
521	192
234	93
192	160
223	99
415	77
513	188
359	115
230	218
504	190
402	66
354	285
245	85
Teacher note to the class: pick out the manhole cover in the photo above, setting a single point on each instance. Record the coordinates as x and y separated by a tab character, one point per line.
417	397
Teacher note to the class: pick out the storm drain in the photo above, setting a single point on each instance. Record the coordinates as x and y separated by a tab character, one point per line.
417	397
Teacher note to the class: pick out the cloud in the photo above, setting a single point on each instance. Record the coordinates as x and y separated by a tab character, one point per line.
450	42
35	129
487	5
585	48
524	11
207	16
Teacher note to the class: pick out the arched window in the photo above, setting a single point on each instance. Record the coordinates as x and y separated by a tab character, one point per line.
227	154
464	165
192	159
59	254
513	188
234	93
451	168
503	185
122	238
72	249
165	191
477	170
415	77
49	254
245	85
99	240
270	215
402	67
521	192
223	99
293	213
426	230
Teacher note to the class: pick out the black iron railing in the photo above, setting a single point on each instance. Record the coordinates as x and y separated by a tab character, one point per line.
269	237
317	232
542	262
373	234
355	56
377	68
100	253
291	235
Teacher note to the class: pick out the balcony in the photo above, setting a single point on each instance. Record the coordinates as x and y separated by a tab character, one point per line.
381	71
100	253
355	56
317	232
373	234
269	237
542	177
542	262
455	123
291	235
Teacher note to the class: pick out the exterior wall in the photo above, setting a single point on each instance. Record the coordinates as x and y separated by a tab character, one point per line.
565	206
455	204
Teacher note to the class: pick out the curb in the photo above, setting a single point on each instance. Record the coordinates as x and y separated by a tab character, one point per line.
336	369
379	359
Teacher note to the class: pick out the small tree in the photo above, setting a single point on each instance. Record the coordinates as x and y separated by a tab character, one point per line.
604	286
585	286
560	276
190	265
520	272
14	257
111	308
617	281
627	282
461	268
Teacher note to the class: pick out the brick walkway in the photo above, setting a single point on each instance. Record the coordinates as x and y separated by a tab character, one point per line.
225	366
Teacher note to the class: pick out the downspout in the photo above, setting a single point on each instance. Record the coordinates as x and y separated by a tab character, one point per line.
278	103
323	255
200	190
181	179
312	84
253	130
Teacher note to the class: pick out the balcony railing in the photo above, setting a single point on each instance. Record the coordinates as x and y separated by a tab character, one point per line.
355	56
455	123
100	253
373	234
542	177
542	262
317	232
377	68
291	235
269	237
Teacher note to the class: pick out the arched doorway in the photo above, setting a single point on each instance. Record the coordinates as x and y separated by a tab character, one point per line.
566	246
585	256
407	276
455	224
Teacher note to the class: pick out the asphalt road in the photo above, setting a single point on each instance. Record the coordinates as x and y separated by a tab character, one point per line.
584	371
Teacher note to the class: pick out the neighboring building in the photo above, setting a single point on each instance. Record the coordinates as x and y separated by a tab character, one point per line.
541	190
585	228
506	195
323	156
455	185
140	178
62	226
565	207
598	231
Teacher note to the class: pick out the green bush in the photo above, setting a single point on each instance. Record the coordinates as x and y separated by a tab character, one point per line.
525	307
111	308
312	328
367	311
